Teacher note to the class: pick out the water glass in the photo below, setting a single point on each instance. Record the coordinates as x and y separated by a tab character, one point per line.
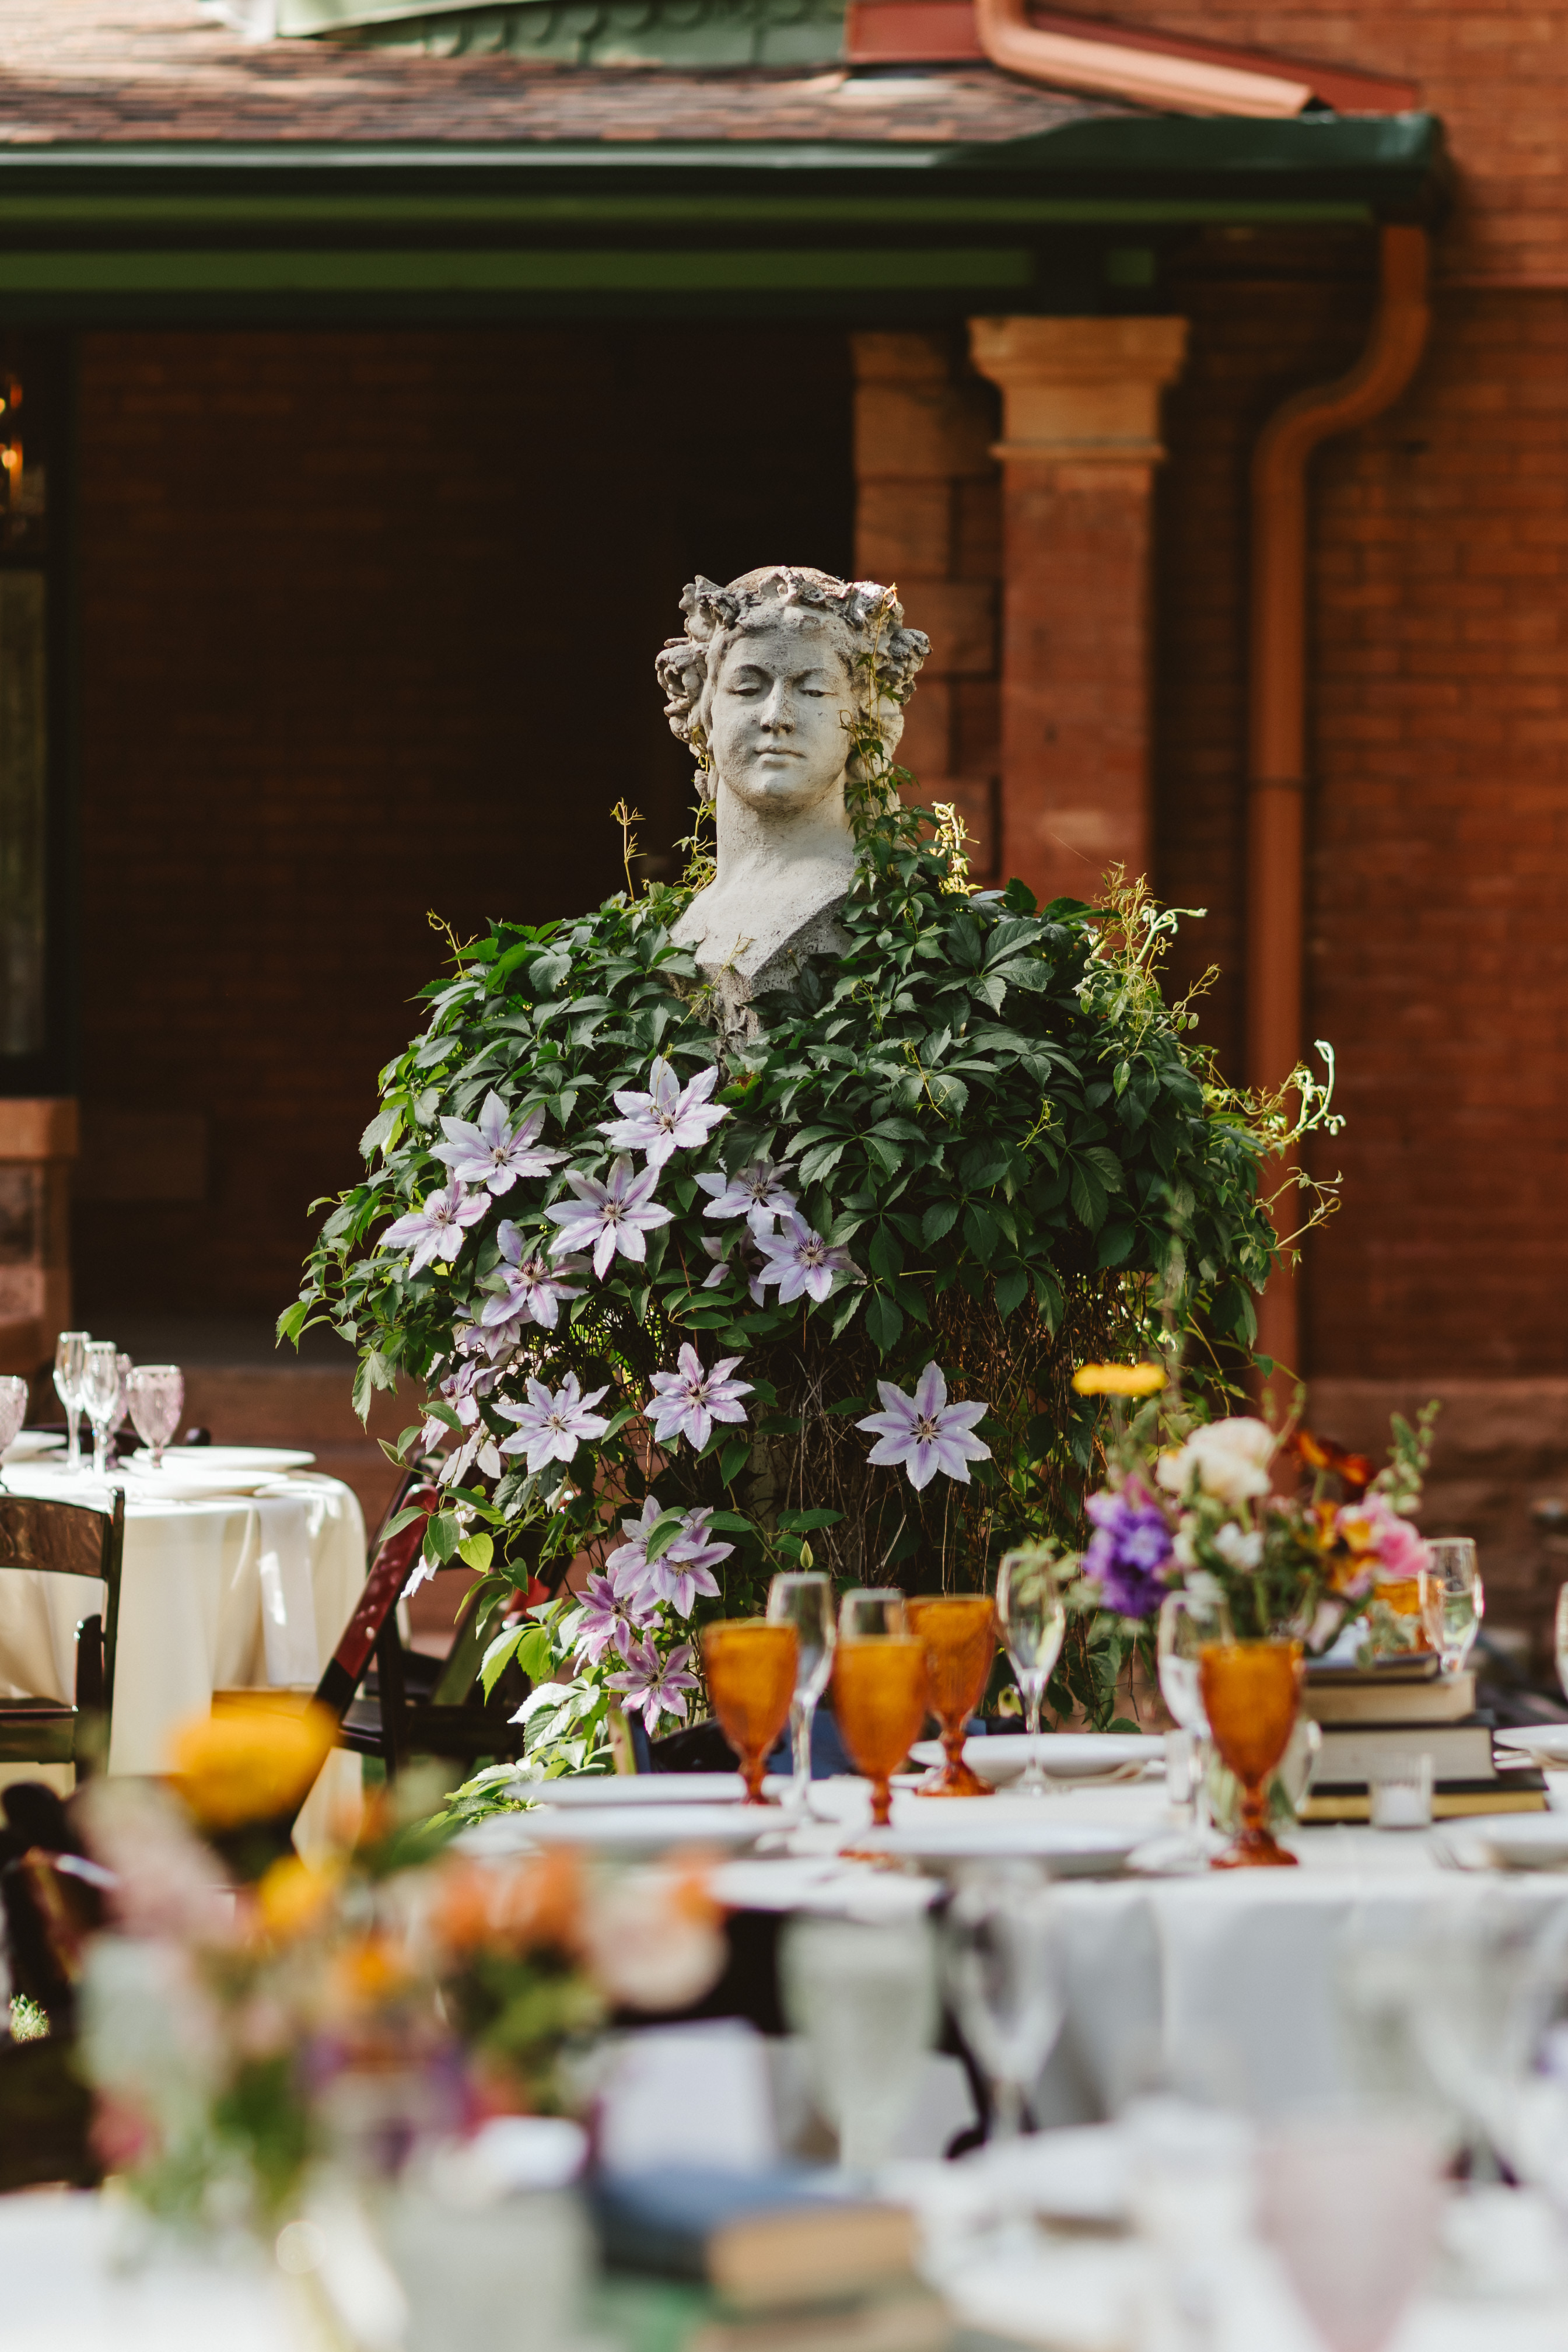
1003	1970
1352	2208
1400	1791
13	1394
156	1395
804	1598
1031	1610
70	1349
871	1611
864	1998
1562	1639
102	1397
1452	1599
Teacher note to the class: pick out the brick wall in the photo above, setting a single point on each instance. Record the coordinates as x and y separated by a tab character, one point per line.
367	627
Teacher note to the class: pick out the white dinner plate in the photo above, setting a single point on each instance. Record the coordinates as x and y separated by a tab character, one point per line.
1066	1755
29	1444
967	1830
1547	1740
270	1460
578	1790
652	1829
178	1485
1509	1842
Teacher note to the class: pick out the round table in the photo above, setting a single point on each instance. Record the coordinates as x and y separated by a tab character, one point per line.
230	1591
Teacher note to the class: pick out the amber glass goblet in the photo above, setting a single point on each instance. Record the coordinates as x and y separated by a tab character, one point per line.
959	1629
750	1667
880	1698
1251	1693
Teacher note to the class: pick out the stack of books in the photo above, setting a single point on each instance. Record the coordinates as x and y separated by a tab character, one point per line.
1407	1707
786	2268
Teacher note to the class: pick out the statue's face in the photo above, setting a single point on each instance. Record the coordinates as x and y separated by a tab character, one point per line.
780	715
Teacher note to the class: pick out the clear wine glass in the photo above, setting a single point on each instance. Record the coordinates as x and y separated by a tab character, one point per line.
1031	1610
1562	1639
864	1998
70	1348
804	1598
1002	1971
870	1611
156	1395
1187	1621
101	1395
1453	1600
13	1392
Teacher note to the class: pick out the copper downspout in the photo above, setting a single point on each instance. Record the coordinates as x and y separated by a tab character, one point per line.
1276	751
1110	68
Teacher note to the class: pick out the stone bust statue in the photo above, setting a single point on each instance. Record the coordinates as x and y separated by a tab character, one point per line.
788	685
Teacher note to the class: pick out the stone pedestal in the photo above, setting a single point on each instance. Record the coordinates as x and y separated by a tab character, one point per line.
38	1144
1080	442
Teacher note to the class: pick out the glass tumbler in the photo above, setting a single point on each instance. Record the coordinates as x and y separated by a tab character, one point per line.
959	1629
804	1598
750	1668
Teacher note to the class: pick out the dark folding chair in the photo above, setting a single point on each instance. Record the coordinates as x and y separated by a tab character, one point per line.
68	1540
406	1704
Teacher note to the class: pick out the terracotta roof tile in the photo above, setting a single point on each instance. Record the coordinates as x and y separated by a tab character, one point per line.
118	70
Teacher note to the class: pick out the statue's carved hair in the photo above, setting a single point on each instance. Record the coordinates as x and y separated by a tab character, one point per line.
884	656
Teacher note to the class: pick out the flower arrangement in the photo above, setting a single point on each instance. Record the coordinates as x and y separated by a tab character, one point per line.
818	1284
1200	1504
392	1989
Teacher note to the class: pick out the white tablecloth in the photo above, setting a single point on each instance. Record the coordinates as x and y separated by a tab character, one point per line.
230	1592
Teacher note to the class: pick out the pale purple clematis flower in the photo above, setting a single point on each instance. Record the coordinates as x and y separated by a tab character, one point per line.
685	1404
551	1427
800	1261
491	1151
534	1293
607	1621
652	1685
669	1117
627	1564
678	1575
754	1192
744	1259
924	1433
607	1217
436	1230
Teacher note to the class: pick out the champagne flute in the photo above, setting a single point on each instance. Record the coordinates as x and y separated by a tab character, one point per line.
70	1348
157	1394
102	1387
804	1598
1031	1610
1452	1601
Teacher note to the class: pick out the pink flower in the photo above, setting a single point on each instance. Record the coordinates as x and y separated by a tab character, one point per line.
800	1261
1373	1527
608	1620
534	1293
685	1404
924	1433
652	1686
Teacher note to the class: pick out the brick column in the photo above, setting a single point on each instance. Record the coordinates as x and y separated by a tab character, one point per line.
928	519
38	1144
1080	442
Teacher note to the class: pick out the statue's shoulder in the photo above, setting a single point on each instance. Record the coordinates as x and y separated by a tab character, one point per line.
759	940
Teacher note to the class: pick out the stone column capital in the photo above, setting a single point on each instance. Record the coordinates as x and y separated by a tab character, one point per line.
1079	391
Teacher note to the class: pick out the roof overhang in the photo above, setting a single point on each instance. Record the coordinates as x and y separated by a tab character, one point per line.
109	230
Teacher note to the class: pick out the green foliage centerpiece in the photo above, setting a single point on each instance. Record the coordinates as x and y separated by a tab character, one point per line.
695	1297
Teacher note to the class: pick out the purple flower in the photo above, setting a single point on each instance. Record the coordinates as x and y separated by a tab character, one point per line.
688	1403
800	1261
533	1293
669	1117
680	1573
652	1686
607	1217
608	1621
436	1230
754	1192
924	1433
744	1259
550	1428
491	1152
1128	1550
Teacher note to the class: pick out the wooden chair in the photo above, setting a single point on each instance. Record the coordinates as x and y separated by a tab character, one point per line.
68	1540
406	1704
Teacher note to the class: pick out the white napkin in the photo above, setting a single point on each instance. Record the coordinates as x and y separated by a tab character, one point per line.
288	1602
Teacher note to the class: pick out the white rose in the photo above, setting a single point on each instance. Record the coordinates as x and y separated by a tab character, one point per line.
1228	1459
1238	1551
